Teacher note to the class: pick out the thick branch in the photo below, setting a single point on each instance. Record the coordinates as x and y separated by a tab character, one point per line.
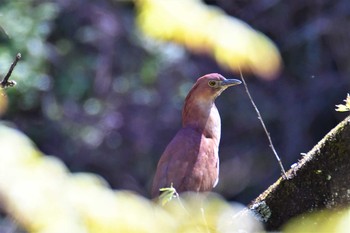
321	179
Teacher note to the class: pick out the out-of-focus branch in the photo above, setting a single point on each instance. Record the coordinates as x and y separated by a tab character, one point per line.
6	82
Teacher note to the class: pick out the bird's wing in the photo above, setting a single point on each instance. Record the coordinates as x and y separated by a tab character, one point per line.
178	164
175	160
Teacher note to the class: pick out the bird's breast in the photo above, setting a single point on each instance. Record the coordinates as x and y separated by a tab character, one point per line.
212	127
206	166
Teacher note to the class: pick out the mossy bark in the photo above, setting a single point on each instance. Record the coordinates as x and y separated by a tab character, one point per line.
321	179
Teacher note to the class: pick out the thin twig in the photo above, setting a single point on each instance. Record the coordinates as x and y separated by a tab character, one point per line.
263	125
4	31
5	82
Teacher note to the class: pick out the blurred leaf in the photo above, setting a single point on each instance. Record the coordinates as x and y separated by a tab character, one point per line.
43	196
321	221
342	107
3	102
208	212
202	28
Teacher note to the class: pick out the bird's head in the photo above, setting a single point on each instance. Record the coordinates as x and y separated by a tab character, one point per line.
212	85
199	109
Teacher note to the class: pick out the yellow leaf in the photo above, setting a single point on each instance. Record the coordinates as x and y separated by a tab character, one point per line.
347	101
201	28
320	221
342	107
3	102
44	196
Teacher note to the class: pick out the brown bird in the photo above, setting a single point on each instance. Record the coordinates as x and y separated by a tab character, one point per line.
191	160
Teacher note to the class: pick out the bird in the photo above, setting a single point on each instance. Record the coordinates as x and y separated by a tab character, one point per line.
190	162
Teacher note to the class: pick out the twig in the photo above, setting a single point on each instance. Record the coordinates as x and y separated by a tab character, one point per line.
4	31
263	125
5	82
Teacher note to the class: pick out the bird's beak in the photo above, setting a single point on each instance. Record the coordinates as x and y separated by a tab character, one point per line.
230	82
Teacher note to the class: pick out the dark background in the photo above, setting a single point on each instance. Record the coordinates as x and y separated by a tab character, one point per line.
91	91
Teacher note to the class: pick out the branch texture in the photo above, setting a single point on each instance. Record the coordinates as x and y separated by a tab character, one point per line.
320	180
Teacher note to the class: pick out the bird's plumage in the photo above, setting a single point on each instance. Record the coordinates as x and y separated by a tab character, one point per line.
191	162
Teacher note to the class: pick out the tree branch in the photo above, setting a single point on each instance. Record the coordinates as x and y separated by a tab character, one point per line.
5	82
321	179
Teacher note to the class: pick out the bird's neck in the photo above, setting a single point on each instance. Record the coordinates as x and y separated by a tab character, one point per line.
202	116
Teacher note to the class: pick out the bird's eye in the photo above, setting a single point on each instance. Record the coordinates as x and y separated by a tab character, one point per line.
212	83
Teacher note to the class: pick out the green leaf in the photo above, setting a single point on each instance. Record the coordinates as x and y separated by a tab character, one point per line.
167	195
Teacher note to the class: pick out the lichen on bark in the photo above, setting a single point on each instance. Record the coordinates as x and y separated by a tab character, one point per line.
320	180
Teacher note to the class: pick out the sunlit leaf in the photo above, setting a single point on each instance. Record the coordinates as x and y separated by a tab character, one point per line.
202	28
320	221
208	212
167	195
3	102
43	196
344	107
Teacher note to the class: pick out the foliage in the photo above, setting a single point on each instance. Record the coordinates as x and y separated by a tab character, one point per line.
201	28
106	100
43	196
3	102
167	194
335	221
25	26
344	107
